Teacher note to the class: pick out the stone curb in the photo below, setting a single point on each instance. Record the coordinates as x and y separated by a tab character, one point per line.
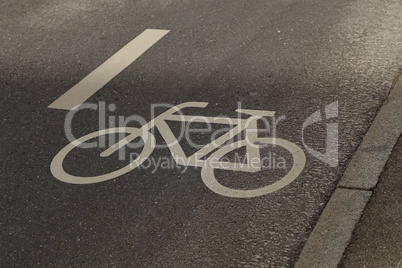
333	231
369	160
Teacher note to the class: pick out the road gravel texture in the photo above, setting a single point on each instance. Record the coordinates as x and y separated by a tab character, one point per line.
292	57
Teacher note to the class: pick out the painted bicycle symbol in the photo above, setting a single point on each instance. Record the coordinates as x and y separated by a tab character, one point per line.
217	149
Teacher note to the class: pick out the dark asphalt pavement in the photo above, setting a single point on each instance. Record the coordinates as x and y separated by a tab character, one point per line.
292	57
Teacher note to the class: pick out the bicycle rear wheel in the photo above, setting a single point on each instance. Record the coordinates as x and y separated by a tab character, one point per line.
56	167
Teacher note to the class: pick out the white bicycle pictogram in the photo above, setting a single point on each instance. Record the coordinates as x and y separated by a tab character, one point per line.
217	149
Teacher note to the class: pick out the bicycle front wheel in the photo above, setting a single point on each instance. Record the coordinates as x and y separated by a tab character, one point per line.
299	161
56	167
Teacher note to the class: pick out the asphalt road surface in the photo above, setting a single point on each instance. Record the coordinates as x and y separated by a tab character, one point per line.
292	57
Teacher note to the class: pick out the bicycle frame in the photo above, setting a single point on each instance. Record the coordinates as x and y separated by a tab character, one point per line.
250	125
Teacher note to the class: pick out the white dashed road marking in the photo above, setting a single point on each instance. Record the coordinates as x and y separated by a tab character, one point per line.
108	70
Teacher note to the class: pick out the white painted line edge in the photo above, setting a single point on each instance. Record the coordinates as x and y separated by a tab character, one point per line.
108	70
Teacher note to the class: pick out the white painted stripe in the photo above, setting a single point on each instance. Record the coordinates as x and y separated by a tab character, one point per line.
108	70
